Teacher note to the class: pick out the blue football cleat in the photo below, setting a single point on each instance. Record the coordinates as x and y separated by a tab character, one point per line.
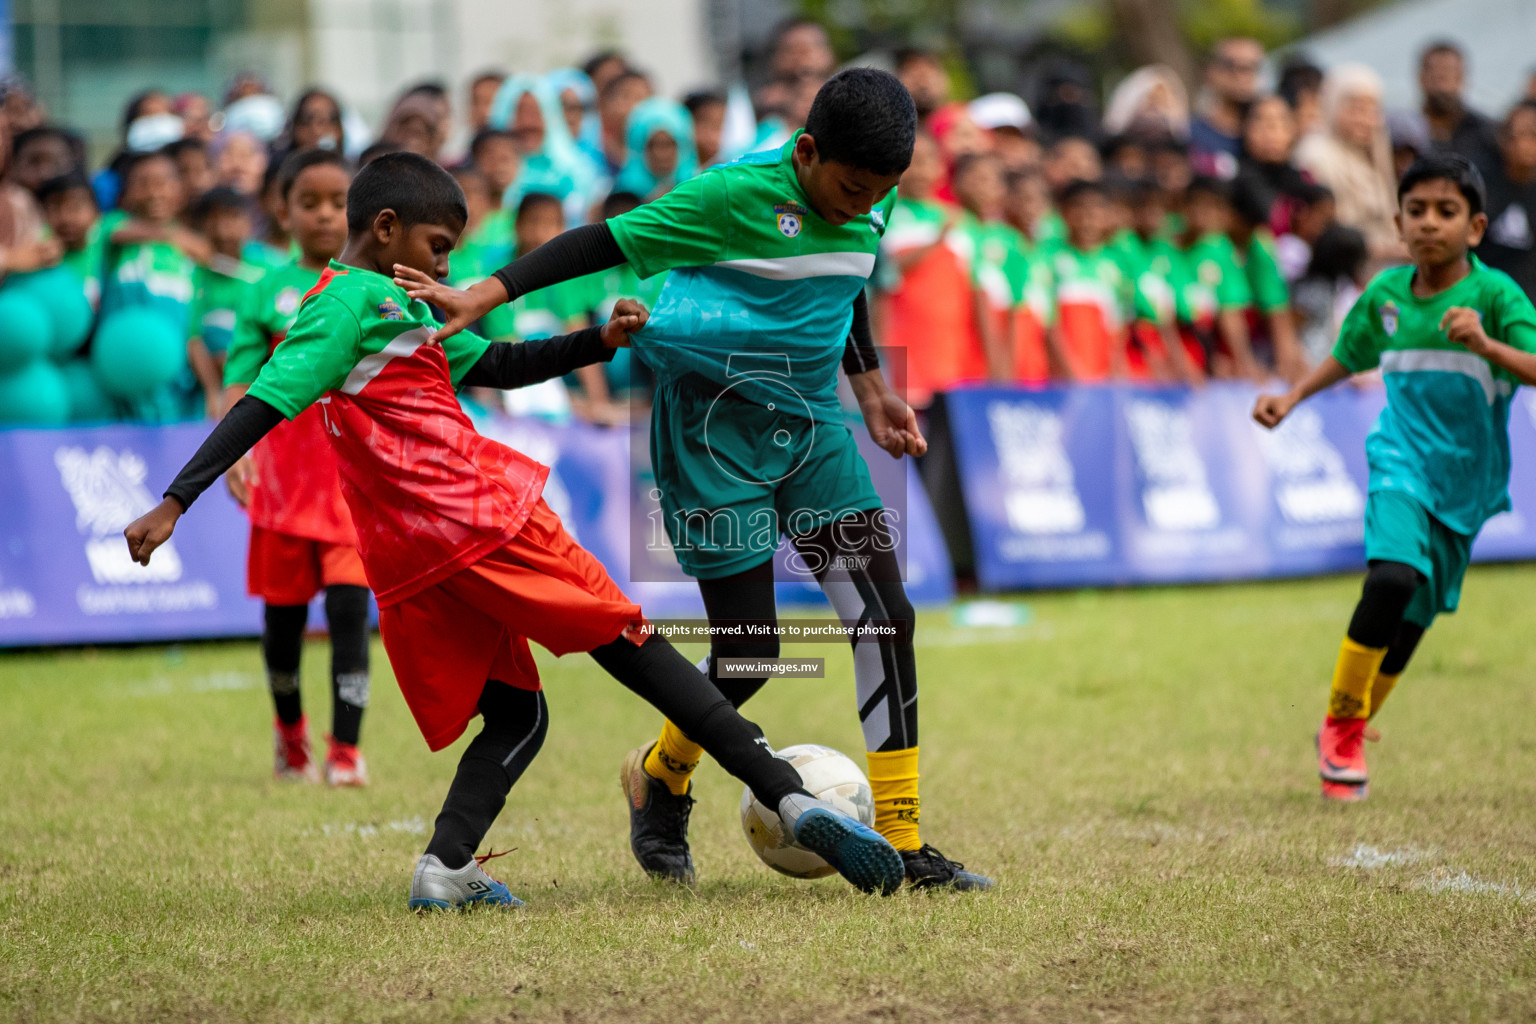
860	854
436	887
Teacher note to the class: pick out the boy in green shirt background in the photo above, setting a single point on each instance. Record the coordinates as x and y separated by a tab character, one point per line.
1453	339
1212	288
219	287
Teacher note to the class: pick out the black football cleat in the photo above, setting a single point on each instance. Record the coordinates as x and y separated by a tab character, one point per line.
658	821
927	868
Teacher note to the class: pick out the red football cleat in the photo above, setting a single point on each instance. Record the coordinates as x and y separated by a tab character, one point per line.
291	759
344	764
1341	750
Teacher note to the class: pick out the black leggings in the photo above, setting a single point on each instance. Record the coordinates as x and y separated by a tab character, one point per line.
855	564
1378	620
282	646
515	722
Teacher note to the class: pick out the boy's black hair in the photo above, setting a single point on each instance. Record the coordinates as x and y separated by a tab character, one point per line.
271	176
1251	199
701	98
600	58
131	161
431	87
1117	188
628	74
1205	184
186	145
1297	77
865	118
1310	193
1113	144
376	150
1079	188
215	199
134	105
1340	251
68	182
1436	47
418	190
74	143
620	202
1451	167
1143	190
534	200
295	164
965	161
484	136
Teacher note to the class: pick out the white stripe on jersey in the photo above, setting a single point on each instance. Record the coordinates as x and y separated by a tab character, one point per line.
370	366
1411	360
815	264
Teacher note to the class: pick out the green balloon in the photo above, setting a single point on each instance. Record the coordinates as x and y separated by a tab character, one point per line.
88	403
34	396
62	294
26	331
137	350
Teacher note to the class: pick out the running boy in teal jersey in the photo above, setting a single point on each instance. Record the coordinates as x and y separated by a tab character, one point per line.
1453	339
769	258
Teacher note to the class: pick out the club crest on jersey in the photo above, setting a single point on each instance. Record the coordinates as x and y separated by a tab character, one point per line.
1389	314
389	309
876	221
790	218
287	301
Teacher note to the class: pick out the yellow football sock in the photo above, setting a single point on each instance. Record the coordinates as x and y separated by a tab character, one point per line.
1379	690
673	759
893	778
1353	675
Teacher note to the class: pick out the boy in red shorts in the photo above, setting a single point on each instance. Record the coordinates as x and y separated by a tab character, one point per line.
466	559
302	537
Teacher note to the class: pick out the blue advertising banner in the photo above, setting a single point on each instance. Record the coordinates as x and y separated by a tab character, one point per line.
65	575
1119	485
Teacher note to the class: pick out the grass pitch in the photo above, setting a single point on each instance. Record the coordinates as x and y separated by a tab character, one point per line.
1135	769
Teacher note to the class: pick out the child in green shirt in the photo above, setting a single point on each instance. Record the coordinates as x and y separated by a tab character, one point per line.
222	217
1453	340
1212	288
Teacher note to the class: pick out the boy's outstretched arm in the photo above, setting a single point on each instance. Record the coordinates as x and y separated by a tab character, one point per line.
249	421
1465	327
891	422
1269	410
576	253
508	365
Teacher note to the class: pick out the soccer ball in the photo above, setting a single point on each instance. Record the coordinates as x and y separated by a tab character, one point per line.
827	775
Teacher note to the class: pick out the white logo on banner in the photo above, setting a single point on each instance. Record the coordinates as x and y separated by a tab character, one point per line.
1039	492
108	492
1311	484
1176	494
16	603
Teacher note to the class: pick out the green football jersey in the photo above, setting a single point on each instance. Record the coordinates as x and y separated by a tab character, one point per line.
1443	437
999	265
761	296
1261	266
1209	280
1151	266
263	319
216	297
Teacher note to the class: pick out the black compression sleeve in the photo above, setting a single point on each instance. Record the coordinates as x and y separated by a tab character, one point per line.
576	253
859	353
508	365
237	433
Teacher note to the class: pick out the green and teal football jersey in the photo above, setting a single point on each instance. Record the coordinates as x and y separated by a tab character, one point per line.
1443	438
760	299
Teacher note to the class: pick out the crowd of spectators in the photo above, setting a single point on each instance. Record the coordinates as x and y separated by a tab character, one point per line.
1154	236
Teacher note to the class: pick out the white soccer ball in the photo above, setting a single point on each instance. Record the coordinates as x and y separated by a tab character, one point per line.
827	775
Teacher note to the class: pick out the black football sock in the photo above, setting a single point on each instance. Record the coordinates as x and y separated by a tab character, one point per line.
346	610
515	723
741	599
670	683
282	645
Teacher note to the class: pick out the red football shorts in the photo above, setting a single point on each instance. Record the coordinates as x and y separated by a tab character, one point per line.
285	570
447	640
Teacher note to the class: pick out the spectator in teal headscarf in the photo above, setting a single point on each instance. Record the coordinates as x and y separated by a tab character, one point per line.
529	108
661	150
578	101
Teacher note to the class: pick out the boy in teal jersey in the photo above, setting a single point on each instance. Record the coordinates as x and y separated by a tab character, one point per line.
769	258
1453	339
151	260
467	559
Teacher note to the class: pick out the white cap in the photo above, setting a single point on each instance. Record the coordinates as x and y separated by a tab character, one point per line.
1000	110
261	115
154	131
